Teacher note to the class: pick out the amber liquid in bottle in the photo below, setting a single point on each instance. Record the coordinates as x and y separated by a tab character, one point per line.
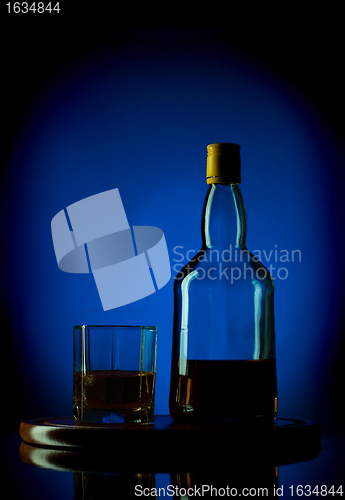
226	389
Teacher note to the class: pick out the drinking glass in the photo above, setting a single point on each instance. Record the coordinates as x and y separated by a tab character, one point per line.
114	373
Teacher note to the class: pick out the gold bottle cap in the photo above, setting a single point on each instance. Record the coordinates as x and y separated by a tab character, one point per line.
223	163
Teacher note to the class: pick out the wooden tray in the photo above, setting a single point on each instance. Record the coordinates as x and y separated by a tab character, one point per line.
81	446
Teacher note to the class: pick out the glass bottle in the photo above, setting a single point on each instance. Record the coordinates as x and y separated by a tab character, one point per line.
223	358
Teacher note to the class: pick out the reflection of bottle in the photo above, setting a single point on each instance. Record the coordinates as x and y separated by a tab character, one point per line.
240	479
223	361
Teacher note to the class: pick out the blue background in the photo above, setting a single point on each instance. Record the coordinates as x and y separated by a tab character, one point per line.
137	115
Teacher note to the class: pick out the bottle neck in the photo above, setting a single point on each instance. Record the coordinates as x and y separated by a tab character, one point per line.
224	217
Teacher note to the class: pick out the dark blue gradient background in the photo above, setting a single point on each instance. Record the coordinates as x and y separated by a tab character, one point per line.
138	116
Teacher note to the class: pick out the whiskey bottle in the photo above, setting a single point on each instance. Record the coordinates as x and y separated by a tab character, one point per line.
223	357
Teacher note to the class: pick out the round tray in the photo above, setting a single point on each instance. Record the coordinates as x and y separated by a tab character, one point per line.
80	446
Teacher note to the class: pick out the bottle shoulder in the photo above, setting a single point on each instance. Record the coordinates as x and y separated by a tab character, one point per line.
235	265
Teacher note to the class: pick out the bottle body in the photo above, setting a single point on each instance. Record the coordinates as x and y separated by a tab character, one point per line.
223	359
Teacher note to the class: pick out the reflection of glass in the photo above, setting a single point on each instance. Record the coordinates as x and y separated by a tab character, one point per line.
91	485
114	373
96	474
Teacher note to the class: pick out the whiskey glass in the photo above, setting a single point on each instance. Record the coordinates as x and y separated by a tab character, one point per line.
114	373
